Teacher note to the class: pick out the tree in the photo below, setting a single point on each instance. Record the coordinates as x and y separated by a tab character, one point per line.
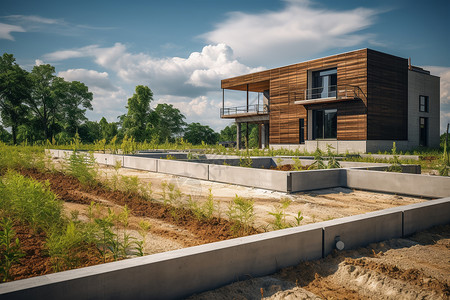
75	99
57	104
108	130
138	120
5	136
14	92
228	134
195	133
169	121
42	103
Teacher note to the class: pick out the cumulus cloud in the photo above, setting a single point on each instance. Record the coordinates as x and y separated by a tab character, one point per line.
6	29
295	32
192	76
108	100
91	78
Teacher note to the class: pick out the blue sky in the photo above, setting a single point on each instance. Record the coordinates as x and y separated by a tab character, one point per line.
181	49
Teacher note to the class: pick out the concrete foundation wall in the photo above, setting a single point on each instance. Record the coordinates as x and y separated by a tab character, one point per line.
180	273
266	179
317	179
177	274
140	163
399	183
361	230
181	168
420	216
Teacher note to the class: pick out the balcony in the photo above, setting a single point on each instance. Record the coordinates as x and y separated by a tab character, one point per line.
244	111
332	93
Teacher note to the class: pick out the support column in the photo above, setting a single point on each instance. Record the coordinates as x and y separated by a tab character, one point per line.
262	135
238	136
246	136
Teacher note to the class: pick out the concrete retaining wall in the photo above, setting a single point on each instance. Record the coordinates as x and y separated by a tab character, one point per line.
355	177
361	230
180	273
317	179
399	183
182	168
266	179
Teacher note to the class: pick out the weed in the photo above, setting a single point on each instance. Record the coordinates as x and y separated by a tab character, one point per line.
279	214
30	201
170	157
10	252
297	164
395	166
144	227
241	213
82	167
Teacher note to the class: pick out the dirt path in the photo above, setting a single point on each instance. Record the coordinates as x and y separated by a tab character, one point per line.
316	206
414	268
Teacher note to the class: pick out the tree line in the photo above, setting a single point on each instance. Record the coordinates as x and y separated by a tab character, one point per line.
39	106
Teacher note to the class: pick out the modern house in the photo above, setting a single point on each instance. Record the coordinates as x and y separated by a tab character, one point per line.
359	101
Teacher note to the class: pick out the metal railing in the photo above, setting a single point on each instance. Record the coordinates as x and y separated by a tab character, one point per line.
254	109
333	91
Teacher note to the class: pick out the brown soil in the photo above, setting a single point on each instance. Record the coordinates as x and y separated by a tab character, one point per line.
176	230
413	268
288	167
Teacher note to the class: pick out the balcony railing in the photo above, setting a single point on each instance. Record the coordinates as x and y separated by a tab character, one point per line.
250	109
333	91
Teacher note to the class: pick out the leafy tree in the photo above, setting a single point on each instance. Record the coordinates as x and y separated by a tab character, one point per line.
43	105
5	136
138	120
14	92
108	130
195	133
57	104
169	121
75	99
228	134
90	131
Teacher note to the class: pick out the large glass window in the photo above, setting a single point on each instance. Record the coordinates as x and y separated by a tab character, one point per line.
423	132
325	124
324	84
423	103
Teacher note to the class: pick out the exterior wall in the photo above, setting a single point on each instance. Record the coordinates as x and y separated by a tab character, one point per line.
425	85
286	82
381	117
387	91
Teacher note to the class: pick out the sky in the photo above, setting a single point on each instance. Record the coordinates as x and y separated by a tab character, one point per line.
182	49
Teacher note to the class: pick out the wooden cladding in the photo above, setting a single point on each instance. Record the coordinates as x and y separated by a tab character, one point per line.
381	113
387	79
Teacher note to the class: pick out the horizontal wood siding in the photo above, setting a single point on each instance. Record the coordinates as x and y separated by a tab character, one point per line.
387	76
285	81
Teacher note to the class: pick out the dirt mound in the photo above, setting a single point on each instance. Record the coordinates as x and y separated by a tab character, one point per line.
413	268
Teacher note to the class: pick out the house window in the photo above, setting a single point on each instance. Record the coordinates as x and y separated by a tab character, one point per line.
423	132
323	84
423	103
325	124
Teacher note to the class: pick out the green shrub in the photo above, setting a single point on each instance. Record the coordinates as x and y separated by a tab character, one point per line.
10	252
241	213
82	167
30	201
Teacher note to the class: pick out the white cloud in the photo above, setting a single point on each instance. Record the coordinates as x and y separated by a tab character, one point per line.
91	78
38	62
6	29
108	100
192	76
295	32
33	19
